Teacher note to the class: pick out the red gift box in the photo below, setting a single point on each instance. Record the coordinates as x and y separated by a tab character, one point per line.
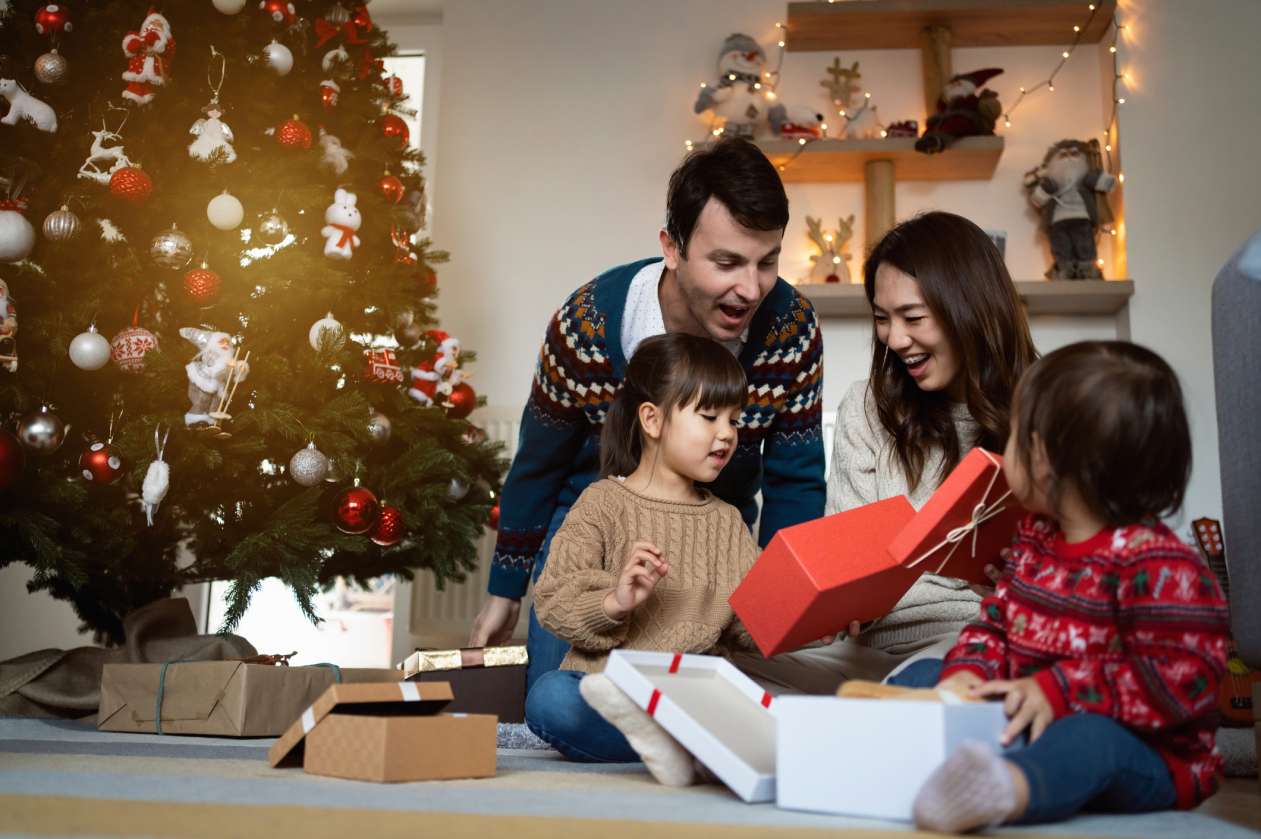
814	578
970	518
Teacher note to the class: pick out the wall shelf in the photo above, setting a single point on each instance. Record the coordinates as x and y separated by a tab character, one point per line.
833	161
1041	297
899	24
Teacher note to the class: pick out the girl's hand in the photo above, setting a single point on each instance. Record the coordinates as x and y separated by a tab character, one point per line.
993	572
640	575
962	683
1026	706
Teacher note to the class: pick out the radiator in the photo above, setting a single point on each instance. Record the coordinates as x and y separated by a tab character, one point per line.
442	619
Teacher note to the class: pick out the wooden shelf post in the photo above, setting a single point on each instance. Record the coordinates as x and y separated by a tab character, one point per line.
879	206
937	63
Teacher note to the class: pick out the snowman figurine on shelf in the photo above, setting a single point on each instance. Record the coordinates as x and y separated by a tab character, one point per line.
737	96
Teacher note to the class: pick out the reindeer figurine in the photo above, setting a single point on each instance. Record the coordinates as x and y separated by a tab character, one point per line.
831	264
853	104
91	168
23	105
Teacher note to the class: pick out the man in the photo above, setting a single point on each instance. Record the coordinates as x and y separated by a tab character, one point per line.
726	215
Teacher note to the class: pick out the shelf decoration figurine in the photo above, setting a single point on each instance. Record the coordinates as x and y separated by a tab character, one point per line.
831	264
965	109
857	115
1069	189
737	97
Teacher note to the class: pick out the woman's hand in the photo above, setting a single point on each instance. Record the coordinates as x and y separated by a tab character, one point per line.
1025	705
640	575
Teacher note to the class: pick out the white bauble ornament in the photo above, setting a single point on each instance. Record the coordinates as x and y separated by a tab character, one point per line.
17	237
308	466
89	350
278	58
330	325
225	211
228	7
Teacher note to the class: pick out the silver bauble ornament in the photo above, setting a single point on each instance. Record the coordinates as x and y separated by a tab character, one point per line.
308	466
379	429
171	249
407	329
51	68
457	489
336	474
337	14
272	228
89	350
42	431
278	58
61	225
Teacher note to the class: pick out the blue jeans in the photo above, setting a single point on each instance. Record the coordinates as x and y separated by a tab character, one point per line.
557	713
545	650
1081	762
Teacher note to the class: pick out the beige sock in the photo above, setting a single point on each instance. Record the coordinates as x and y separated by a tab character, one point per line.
669	763
972	789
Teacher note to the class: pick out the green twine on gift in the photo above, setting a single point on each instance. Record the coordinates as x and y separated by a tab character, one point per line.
157	710
337	671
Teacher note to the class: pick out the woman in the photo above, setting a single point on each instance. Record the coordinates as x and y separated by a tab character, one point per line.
949	342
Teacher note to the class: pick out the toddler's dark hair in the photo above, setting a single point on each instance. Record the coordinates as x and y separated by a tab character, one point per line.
671	371
1110	415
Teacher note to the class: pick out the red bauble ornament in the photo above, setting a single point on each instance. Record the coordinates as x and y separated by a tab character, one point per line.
53	19
132	184
493	521
329	92
356	511
11	459
279	11
392	188
462	401
294	134
202	285
428	281
392	125
389	528
129	346
100	464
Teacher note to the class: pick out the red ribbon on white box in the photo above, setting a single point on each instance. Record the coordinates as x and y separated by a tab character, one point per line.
980	514
655	698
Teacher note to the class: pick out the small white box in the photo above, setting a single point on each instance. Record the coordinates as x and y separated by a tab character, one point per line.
869	757
715	712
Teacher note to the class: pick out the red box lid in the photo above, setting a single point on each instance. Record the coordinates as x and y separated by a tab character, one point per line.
814	578
941	539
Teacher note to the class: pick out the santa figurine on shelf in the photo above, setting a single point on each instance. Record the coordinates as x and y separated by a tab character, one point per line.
149	52
434	378
965	109
1066	189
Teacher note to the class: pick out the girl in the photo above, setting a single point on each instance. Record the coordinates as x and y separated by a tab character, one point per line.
1106	635
949	342
645	559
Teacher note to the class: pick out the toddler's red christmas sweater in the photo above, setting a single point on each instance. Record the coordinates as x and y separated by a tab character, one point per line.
1130	624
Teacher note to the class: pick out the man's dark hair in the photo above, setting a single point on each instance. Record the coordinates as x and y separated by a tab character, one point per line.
1111	418
736	173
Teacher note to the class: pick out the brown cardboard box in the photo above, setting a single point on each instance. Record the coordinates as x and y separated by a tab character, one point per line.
485	680
389	732
221	698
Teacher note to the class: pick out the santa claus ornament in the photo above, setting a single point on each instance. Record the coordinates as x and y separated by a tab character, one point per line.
964	109
213	377
149	51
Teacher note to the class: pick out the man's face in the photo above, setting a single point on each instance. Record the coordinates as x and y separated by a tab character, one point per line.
728	271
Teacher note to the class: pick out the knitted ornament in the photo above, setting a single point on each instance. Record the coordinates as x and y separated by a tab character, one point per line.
129	346
132	184
389	528
294	134
202	285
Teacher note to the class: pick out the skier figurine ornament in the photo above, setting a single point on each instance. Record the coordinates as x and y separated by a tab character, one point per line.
213	376
1066	190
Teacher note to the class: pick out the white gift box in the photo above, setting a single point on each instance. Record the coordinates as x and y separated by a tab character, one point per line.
715	712
869	757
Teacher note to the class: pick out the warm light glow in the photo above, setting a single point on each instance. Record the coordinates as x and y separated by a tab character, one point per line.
1108	147
884	133
836	260
841	112
868	95
1092	7
1121	177
801	141
1113	231
1121	100
731	76
1007	123
781	167
770	94
757	85
824	126
781	43
1050	87
1078	28
1064	53
1099	262
703	85
827	237
1112	48
717	131
1022	90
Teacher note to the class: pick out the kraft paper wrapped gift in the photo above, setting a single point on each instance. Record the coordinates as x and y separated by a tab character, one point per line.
869	757
970	518
485	680
814	578
715	712
220	698
388	732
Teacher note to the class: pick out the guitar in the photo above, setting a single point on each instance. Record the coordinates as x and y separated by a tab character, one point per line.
1234	696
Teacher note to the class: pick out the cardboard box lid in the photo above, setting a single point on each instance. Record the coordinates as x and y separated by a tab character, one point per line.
393	698
969	519
715	712
191	690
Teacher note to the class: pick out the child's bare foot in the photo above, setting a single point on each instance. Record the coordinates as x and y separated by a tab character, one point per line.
974	788
669	763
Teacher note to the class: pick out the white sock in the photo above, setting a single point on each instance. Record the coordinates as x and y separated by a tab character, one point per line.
669	763
972	789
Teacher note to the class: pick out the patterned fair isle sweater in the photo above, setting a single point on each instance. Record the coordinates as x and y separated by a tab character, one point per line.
581	365
1130	624
709	549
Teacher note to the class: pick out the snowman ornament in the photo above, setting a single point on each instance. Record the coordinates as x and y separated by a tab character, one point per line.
342	219
737	97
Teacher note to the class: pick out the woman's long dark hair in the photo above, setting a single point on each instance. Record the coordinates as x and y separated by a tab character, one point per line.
670	371
966	286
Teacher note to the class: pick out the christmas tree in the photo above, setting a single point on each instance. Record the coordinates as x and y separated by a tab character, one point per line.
227	366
